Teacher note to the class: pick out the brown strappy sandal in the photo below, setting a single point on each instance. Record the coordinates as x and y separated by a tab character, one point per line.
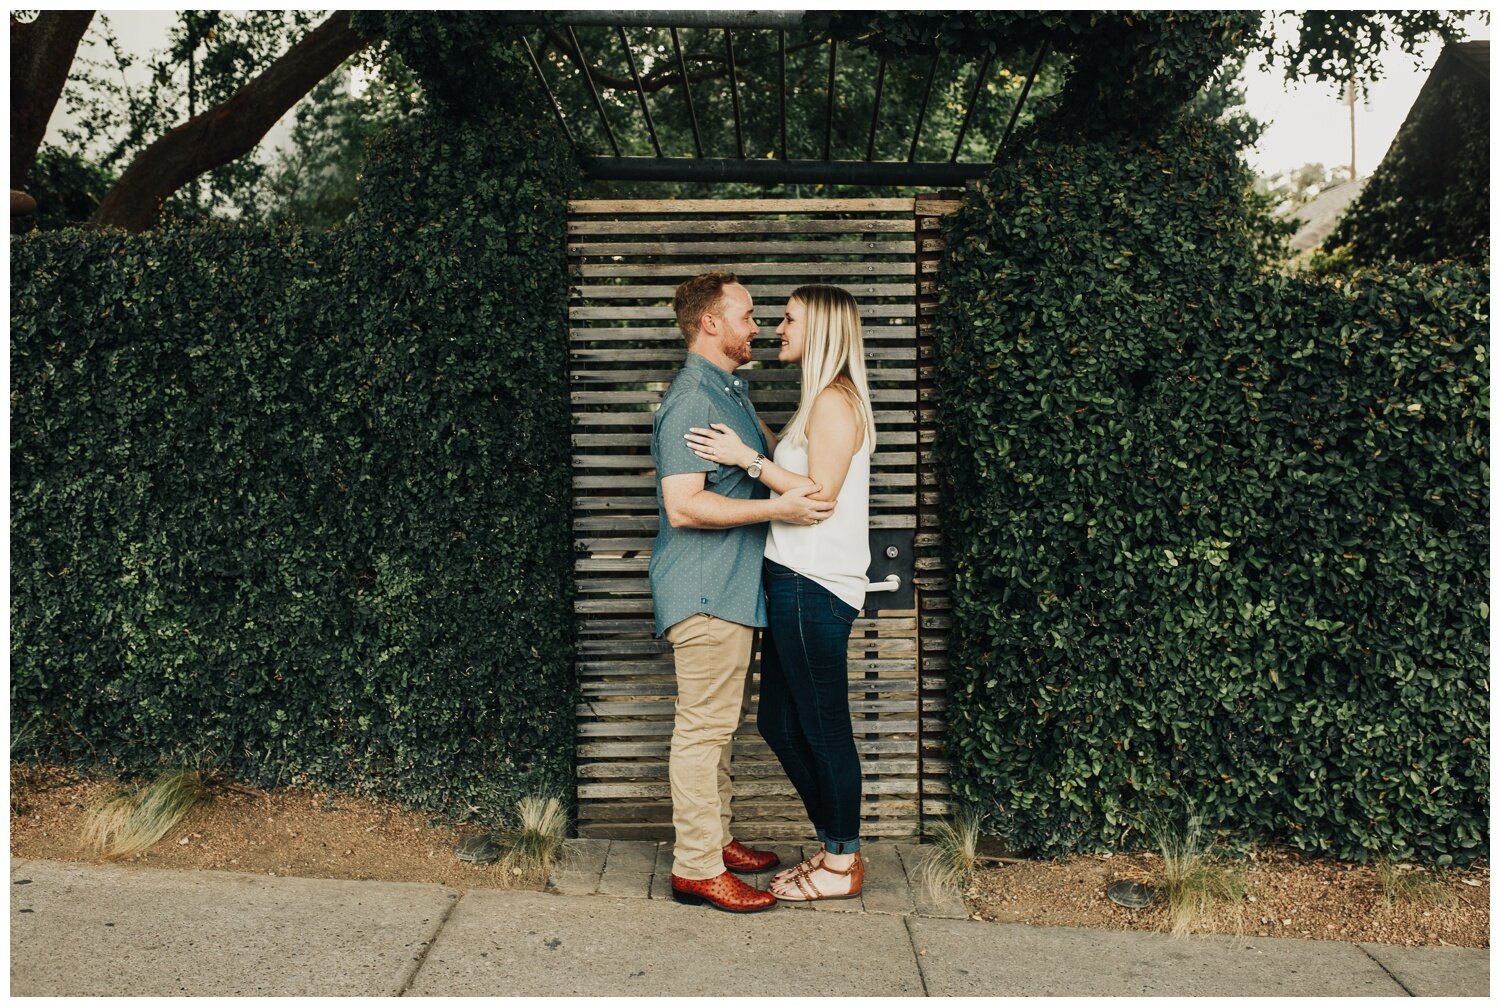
810	891
805	867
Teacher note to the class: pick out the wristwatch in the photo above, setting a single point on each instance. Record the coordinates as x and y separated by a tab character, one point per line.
754	467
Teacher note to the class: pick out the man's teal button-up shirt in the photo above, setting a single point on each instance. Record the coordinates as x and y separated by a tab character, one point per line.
711	570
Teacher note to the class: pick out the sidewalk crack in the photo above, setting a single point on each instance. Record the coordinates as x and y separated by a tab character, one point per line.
1387	971
416	966
916	955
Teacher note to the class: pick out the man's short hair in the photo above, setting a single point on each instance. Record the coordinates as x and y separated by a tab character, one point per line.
702	295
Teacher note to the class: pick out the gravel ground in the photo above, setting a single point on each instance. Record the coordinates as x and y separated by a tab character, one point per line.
310	833
1286	895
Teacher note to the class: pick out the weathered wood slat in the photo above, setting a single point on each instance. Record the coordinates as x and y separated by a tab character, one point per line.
743	747
602	689
764	376
857	666
774	417
649	708
743	769
788	395
650	728
742	789
642	439
893	204
759	292
735	247
673	336
810	269
677	353
887	459
877	480
746	225
605	687
751	830
615	312
901	626
760	818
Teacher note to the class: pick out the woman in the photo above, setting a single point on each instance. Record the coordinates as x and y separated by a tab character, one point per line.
815	580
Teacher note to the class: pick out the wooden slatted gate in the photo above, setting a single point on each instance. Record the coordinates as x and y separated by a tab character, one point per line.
625	258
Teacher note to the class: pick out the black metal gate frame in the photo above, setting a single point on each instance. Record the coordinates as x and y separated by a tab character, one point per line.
768	171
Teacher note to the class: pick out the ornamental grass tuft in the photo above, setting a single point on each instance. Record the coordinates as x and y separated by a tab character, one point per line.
538	842
1412	885
949	863
1194	880
127	821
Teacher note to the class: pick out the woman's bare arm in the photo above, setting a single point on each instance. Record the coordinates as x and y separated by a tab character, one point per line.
834	433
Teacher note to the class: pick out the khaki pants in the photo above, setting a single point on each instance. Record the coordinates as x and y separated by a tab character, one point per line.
713	699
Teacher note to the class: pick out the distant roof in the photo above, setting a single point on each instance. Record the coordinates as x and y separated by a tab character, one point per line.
1322	212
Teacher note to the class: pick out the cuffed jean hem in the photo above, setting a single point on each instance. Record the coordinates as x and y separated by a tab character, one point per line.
840	847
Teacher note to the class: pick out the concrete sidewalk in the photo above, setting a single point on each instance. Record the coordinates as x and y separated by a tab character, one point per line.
79	929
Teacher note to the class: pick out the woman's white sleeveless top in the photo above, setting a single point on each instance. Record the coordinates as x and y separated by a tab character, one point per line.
835	553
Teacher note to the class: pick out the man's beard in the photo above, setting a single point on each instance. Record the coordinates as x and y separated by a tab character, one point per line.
738	352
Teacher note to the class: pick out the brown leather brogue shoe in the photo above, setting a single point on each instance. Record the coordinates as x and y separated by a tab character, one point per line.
741	859
725	892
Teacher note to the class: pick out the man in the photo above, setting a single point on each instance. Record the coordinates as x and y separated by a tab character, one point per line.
706	587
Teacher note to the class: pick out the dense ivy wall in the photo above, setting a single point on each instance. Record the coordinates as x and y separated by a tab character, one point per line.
296	505
1217	537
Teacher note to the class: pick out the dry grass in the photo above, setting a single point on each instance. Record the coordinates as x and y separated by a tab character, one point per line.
127	822
1193	881
952	857
1411	885
537	843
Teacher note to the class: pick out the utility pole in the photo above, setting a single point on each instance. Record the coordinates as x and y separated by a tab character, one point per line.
1349	95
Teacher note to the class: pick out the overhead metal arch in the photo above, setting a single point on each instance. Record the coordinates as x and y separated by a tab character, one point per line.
612	164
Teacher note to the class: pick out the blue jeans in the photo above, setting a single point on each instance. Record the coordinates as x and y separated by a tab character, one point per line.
804	701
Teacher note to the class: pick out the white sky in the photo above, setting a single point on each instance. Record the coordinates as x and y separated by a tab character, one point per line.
1306	123
1309	123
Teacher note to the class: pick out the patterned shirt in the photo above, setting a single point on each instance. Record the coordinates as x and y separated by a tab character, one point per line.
711	570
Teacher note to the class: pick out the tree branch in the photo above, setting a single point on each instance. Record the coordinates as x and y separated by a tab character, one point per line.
228	130
41	55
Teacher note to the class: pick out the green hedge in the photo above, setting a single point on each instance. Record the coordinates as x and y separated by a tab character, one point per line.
1217	537
296	505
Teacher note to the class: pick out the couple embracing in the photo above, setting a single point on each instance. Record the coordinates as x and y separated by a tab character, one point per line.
771	533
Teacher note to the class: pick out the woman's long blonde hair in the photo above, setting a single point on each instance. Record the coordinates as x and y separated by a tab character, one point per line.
833	353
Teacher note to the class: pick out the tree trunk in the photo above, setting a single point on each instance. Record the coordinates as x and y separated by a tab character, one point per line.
41	55
228	130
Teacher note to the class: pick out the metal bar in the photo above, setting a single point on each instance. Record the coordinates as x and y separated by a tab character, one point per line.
922	111
639	90
783	19
1015	113
782	44
833	60
875	115
963	127
588	75
543	80
687	92
771	172
734	93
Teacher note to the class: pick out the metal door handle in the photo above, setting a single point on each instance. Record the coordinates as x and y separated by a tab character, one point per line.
891	583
